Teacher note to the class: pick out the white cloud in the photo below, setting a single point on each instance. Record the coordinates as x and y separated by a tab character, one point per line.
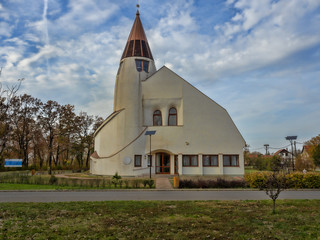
87	38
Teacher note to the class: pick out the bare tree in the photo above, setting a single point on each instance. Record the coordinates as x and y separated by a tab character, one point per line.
6	95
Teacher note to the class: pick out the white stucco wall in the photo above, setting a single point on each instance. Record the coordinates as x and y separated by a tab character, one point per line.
204	127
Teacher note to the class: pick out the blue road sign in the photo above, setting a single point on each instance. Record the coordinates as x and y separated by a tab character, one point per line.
13	163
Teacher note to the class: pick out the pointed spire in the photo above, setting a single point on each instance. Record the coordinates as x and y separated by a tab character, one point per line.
137	44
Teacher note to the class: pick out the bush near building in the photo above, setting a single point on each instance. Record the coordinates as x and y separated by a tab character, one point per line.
293	180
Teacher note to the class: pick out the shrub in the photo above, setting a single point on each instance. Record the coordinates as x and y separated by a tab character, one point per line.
115	182
150	183
256	179
145	183
126	183
116	176
311	180
53	179
293	180
136	183
211	183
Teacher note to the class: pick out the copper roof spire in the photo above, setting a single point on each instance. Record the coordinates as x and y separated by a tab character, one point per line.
137	44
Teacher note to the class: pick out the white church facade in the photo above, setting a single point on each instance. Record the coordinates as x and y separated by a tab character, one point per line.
193	134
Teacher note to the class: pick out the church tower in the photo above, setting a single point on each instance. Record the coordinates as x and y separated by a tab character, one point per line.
136	65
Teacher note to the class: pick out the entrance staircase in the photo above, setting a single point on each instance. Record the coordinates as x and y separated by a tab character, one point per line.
163	183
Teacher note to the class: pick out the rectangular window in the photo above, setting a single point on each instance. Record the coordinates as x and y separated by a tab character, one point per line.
210	160
137	48
137	160
231	160
190	160
149	160
129	53
146	66
139	65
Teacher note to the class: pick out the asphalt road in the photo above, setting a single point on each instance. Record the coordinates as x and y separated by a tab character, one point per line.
56	196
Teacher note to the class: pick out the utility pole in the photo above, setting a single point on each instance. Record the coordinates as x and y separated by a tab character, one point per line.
291	138
267	147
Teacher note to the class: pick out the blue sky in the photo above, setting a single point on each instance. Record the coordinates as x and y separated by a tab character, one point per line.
260	60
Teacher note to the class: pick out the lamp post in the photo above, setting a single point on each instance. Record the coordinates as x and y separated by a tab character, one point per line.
291	138
150	133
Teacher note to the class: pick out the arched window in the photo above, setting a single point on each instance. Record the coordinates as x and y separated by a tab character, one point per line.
157	119
172	119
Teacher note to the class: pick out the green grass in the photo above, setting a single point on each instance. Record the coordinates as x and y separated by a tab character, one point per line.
14	186
295	219
18	186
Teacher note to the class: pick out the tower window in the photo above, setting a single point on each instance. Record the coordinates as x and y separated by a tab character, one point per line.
157	118
172	119
129	52
142	65
146	66
144	49
137	48
139	65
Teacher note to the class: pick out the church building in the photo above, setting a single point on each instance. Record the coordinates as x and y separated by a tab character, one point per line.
193	135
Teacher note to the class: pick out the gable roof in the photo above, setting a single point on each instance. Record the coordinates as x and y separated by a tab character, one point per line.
163	68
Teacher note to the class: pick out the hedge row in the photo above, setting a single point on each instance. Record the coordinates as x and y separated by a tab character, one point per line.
102	183
293	180
212	183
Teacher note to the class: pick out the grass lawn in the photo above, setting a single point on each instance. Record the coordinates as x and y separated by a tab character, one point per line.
295	219
14	186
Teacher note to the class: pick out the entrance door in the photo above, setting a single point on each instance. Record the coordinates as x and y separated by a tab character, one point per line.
162	163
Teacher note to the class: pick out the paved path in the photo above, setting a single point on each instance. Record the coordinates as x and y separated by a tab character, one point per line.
163	184
56	196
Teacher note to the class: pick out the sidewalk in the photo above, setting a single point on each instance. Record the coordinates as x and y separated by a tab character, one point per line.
163	183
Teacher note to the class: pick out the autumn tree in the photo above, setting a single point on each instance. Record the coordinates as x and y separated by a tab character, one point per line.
6	95
66	130
316	155
48	119
23	117
313	148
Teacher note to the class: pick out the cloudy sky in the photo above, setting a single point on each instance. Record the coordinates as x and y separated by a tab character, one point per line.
258	59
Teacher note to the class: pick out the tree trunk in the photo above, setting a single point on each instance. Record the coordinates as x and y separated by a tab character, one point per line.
274	206
57	155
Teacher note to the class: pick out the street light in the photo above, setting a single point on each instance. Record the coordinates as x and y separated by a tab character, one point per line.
150	133
291	138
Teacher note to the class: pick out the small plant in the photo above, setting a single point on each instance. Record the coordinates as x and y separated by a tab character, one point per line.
274	185
116	176
103	183
136	183
126	183
115	182
150	183
145	183
53	180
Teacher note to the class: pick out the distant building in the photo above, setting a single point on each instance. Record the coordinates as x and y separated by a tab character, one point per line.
194	134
